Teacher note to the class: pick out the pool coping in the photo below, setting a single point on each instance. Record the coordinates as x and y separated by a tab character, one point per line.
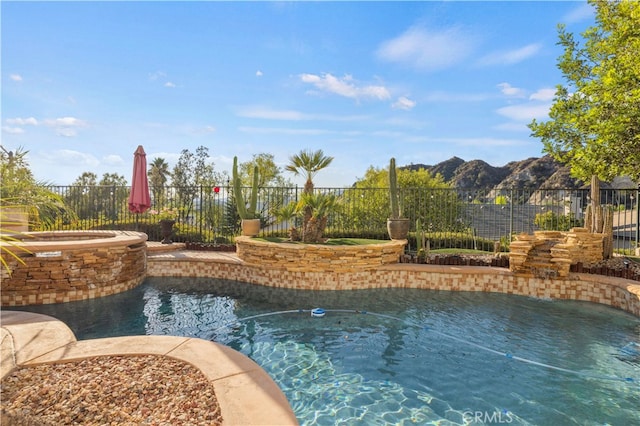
92	239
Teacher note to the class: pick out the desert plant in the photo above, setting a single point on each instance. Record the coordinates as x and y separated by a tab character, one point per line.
244	211
288	213
318	206
394	198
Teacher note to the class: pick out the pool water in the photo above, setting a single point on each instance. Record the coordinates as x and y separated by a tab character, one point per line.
399	356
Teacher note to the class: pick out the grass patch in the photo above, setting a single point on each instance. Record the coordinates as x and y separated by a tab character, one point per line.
329	242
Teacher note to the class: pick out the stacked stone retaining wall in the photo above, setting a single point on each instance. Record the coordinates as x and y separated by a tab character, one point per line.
318	257
551	253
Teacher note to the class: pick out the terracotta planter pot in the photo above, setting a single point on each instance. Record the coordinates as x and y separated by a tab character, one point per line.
398	228
250	227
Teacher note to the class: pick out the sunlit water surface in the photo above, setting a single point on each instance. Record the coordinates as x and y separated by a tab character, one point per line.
399	356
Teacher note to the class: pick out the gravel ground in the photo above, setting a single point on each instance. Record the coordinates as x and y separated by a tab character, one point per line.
621	262
110	390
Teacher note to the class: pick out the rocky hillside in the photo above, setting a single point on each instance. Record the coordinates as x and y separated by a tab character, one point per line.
532	173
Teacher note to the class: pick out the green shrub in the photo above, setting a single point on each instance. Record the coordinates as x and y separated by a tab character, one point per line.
551	221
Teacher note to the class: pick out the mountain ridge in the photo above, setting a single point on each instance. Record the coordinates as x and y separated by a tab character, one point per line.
531	173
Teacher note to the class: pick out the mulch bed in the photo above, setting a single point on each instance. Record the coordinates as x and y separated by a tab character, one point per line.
210	247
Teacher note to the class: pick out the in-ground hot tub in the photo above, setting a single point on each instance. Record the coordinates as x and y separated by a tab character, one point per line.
65	266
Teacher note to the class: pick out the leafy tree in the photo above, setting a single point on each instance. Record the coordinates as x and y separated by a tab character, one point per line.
594	122
105	198
501	200
83	196
113	195
551	221
423	196
194	179
270	175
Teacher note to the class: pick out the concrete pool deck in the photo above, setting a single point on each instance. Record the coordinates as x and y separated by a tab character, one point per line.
245	393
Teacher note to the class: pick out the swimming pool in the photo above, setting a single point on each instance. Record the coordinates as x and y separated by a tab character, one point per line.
399	356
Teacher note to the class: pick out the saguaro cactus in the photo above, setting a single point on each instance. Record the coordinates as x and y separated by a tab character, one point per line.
244	211
393	190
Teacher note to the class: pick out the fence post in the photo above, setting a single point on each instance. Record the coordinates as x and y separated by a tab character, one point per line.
510	215
638	221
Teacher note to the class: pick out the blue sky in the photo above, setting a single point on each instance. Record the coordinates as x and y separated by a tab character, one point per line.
84	83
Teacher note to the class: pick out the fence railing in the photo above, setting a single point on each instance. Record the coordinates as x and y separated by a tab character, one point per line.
456	216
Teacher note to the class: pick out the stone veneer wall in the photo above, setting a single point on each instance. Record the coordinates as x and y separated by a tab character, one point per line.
318	257
616	292
70	266
551	253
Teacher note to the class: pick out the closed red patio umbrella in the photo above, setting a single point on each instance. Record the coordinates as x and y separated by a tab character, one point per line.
139	198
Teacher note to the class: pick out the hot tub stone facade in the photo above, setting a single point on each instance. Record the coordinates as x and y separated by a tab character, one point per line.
70	266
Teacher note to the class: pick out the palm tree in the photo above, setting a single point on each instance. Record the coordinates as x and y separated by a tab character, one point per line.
319	206
309	163
158	177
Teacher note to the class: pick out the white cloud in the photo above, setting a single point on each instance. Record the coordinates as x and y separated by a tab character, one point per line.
16	77
440	96
78	159
511	57
345	86
113	160
512	127
271	114
404	103
22	121
509	90
480	142
156	75
427	50
280	130
546	94
12	130
66	126
169	84
267	113
67	132
525	112
581	13
65	122
259	73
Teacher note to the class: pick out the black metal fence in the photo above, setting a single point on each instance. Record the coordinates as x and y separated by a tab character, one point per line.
453	217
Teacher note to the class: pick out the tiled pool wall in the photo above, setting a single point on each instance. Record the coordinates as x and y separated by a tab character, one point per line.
111	262
71	266
616	292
